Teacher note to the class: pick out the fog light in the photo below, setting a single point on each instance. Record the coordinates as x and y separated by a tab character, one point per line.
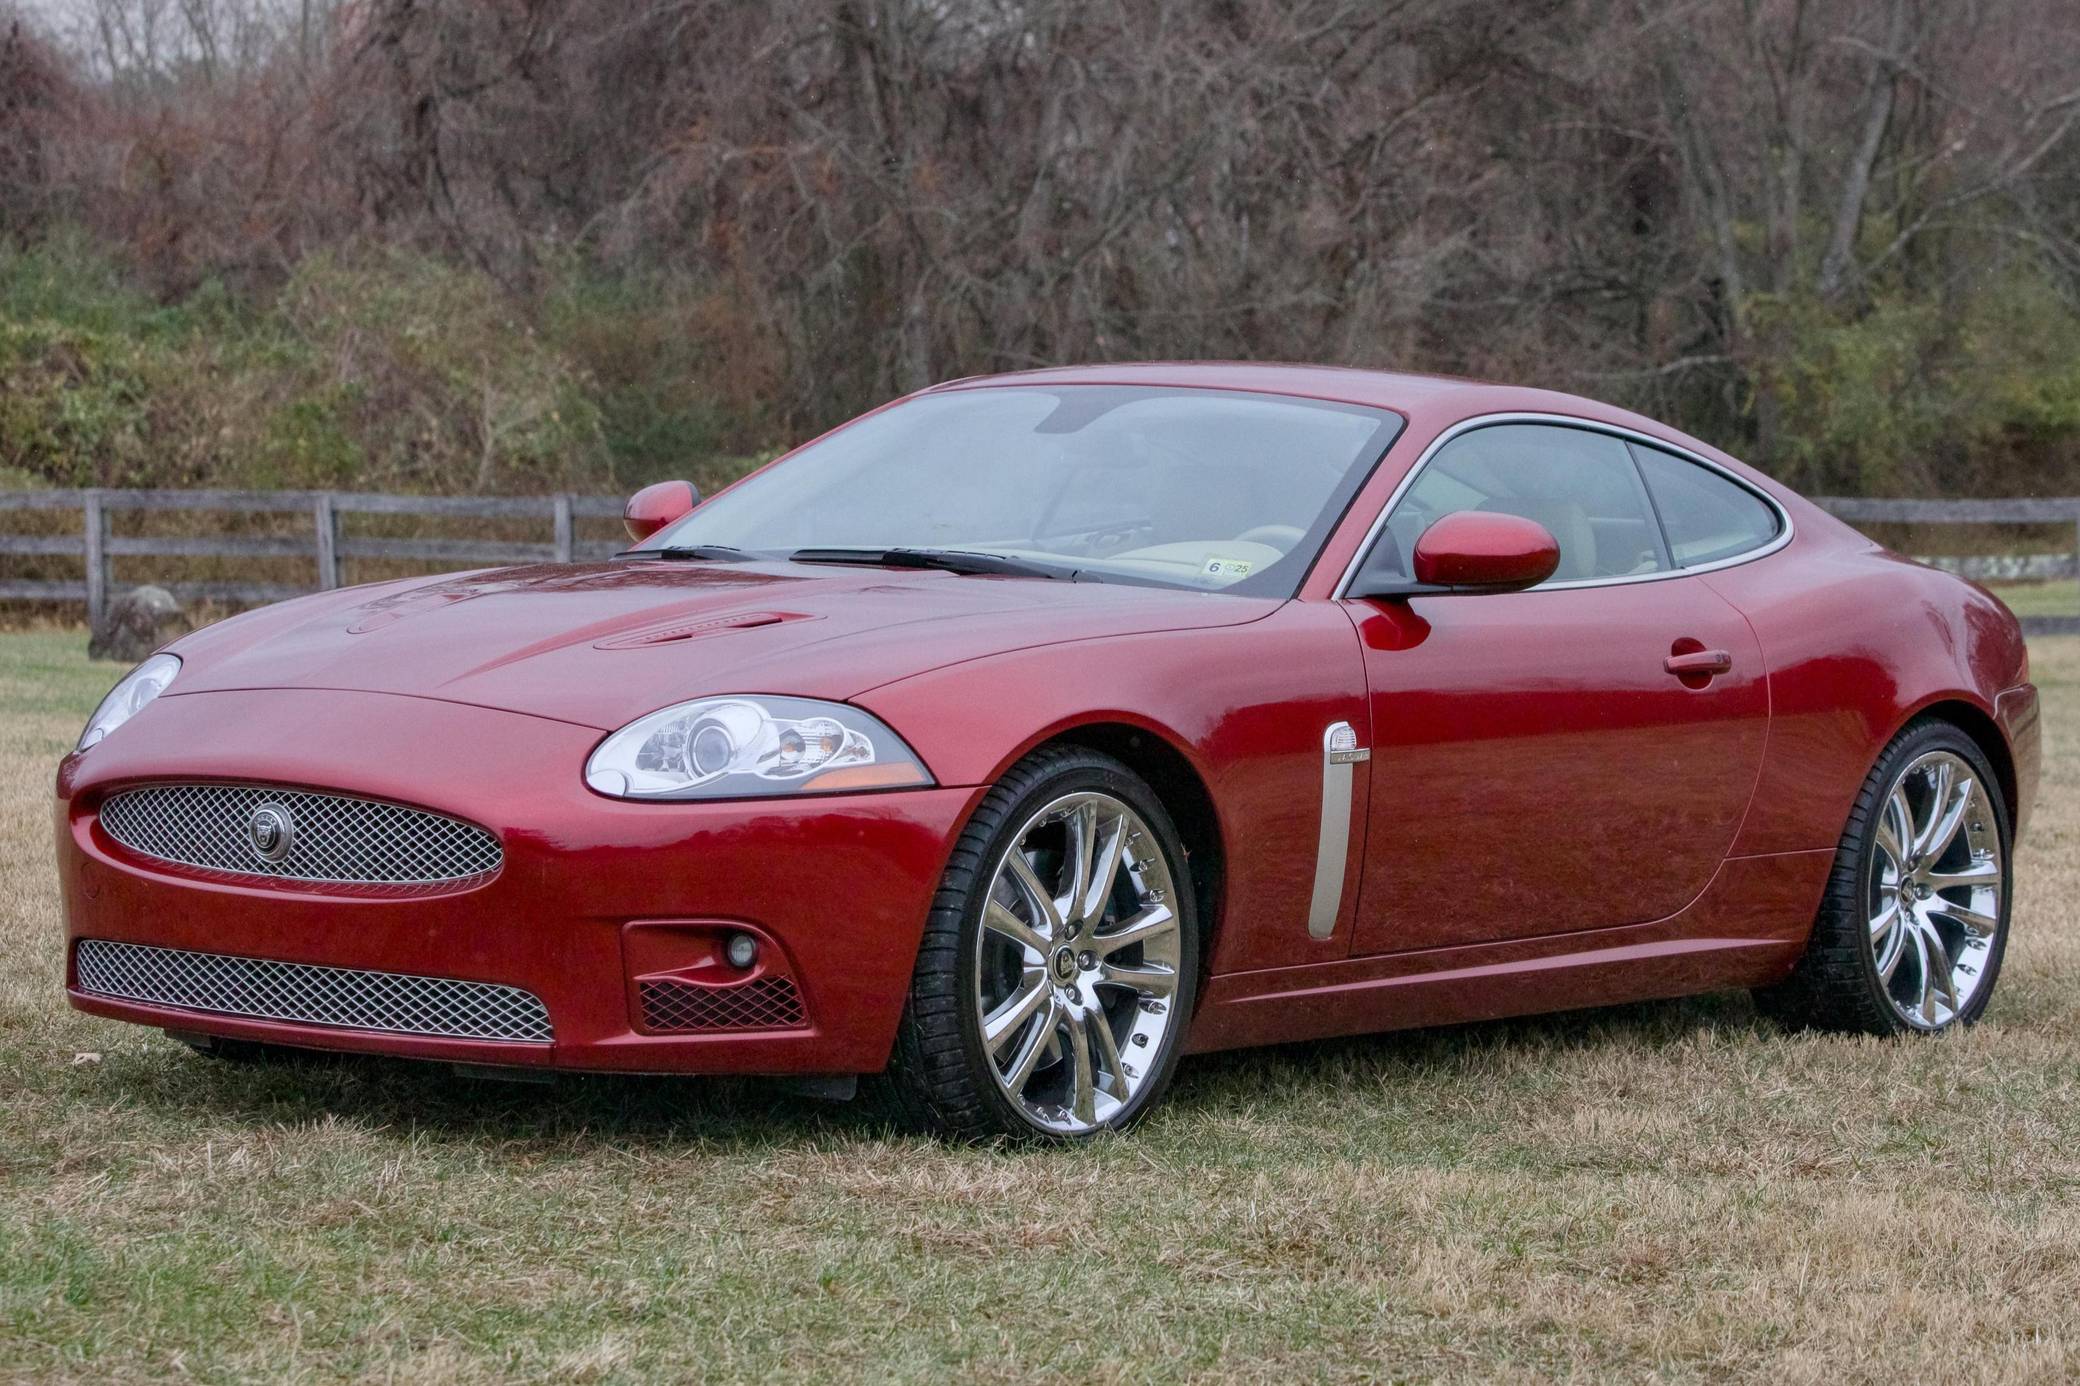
741	950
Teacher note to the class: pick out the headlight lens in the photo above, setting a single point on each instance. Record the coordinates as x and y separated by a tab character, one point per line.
142	684
733	748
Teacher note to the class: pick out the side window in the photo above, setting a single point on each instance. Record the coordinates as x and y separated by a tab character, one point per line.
1580	485
1707	517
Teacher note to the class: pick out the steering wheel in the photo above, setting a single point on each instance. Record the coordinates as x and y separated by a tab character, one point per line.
1280	537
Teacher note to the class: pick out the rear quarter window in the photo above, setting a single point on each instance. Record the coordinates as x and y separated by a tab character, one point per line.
1707	517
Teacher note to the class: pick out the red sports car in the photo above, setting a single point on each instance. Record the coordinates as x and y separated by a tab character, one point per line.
1033	731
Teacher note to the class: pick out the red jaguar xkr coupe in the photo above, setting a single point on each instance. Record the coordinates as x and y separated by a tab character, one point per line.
1031	732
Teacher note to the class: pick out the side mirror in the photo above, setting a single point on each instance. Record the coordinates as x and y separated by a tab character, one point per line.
1475	551
656	506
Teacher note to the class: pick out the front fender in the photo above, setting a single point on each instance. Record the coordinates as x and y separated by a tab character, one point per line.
1245	705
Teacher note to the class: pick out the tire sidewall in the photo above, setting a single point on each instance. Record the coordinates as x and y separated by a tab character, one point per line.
1917	741
1089	775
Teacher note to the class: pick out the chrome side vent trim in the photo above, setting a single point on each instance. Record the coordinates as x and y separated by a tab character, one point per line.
1340	751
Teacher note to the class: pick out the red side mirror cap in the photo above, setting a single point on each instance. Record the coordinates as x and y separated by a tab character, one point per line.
656	506
1484	551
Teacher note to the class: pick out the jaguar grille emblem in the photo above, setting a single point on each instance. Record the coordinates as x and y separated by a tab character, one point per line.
271	832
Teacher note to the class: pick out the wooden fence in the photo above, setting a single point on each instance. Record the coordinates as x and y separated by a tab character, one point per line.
2048	510
326	548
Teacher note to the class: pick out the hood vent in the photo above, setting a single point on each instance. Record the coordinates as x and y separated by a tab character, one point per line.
677	631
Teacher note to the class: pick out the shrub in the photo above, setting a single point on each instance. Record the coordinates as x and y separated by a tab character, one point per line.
1908	396
439	381
685	386
386	371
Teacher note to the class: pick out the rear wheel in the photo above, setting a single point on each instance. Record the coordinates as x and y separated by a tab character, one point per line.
1912	929
1058	965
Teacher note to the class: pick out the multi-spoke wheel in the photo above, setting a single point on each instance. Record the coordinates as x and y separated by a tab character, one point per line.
1912	929
1078	965
1057	968
1935	893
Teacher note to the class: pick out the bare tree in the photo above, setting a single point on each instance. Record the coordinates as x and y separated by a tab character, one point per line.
1652	198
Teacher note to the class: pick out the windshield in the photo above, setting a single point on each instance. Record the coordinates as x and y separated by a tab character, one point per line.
1215	490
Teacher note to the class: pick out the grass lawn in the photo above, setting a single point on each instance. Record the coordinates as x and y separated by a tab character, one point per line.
1675	1190
2061	598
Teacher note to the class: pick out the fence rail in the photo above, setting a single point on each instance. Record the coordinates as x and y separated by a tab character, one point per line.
327	548
2044	510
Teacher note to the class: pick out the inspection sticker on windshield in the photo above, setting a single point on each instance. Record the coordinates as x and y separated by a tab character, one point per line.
1228	567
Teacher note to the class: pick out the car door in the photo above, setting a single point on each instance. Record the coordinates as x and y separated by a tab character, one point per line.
1575	756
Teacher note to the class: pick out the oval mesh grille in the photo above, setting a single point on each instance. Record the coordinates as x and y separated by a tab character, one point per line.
345	997
329	837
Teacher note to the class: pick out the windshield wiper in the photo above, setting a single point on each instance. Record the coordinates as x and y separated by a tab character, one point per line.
698	553
947	560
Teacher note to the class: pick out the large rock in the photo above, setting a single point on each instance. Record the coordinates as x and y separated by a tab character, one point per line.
136	623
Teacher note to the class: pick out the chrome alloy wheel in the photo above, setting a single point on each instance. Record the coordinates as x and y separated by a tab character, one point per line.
1934	899
1078	964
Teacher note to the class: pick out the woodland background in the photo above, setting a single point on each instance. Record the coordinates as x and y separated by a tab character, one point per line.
523	245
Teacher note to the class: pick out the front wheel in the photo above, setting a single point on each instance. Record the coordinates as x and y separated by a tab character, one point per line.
1914	923
1059	962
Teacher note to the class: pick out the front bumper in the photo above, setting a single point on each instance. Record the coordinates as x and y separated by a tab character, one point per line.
593	894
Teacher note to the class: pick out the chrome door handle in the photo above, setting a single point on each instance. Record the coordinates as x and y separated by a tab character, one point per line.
1698	662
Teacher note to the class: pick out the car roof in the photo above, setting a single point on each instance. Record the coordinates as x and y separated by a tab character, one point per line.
1430	402
1345	384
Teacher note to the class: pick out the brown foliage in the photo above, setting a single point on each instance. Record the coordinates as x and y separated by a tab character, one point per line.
1626	197
37	97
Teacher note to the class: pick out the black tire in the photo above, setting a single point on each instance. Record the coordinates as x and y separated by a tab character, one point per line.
940	1076
1836	984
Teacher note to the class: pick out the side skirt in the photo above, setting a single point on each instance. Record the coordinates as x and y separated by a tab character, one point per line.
1747	928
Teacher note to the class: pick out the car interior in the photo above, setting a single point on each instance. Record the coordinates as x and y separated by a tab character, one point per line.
1192	491
1580	485
1196	488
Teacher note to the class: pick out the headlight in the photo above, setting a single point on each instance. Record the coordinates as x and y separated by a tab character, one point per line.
733	748
142	684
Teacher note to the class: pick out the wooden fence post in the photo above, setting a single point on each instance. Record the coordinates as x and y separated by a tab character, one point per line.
563	527
95	521
327	521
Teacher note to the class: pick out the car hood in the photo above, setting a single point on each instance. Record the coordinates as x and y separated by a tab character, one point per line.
602	644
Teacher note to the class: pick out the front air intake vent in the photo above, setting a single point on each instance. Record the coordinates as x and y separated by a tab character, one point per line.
673	1006
341	997
298	835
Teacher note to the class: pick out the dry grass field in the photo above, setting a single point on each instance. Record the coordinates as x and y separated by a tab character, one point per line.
1675	1191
